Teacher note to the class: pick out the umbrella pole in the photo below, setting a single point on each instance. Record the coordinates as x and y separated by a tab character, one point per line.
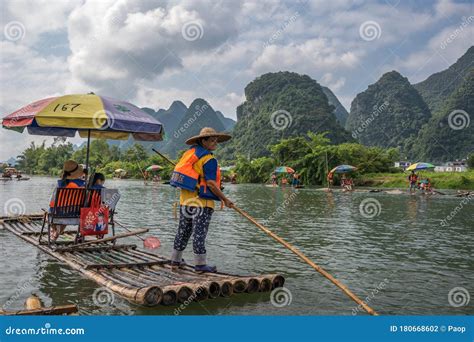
88	146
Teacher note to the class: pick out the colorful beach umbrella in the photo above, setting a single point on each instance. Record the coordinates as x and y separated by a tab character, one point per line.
91	115
284	169
119	170
154	168
420	166
343	169
226	168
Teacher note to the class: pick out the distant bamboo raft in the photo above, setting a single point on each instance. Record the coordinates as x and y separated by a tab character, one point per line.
140	277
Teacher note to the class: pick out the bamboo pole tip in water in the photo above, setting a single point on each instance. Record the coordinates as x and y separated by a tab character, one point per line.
253	285
170	297
201	293
265	285
150	296
184	294
278	281
214	289
239	286
226	289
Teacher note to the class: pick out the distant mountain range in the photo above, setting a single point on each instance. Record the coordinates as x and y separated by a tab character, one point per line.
388	113
199	114
282	105
339	111
428	121
180	123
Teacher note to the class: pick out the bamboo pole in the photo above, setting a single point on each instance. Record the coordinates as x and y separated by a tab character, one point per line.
239	285
150	295
226	288
127	229
265	285
170	297
146	285
112	238
213	287
336	282
93	249
164	157
184	292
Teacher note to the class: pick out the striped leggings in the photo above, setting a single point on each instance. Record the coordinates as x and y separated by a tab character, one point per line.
193	219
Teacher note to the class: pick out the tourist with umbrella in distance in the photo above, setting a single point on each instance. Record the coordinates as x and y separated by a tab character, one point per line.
346	183
197	174
414	178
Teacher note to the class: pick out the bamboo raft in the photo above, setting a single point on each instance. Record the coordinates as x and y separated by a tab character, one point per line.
138	276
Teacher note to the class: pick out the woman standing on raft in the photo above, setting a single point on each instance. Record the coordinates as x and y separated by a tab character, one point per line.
197	174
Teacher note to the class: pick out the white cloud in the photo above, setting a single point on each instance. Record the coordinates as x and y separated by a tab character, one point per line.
38	16
151	40
442	50
312	56
329	81
135	50
162	98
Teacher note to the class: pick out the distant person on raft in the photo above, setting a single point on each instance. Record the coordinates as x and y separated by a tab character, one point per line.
413	180
197	174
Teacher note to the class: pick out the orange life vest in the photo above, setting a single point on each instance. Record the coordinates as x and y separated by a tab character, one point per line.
186	177
74	184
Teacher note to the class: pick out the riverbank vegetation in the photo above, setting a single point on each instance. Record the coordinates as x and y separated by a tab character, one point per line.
311	156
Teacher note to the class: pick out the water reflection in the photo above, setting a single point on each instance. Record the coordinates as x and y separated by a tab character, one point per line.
404	245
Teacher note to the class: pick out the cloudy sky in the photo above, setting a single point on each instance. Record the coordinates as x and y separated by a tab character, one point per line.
151	52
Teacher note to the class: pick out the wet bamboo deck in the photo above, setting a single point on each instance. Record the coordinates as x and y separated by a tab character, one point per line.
140	277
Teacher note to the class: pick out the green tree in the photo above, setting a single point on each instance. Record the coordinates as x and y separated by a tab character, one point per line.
470	161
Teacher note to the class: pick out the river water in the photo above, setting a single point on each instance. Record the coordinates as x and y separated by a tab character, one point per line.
391	250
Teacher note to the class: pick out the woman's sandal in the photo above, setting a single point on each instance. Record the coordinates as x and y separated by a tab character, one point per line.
177	264
205	269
